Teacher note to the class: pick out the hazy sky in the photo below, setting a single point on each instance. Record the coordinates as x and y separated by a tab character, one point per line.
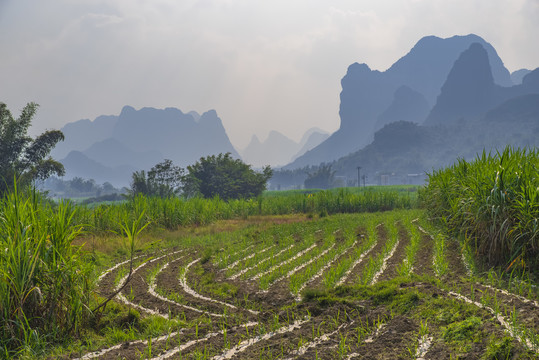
263	65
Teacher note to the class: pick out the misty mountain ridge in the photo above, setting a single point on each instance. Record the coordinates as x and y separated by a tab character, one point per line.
518	75
78	164
112	147
278	150
471	114
469	91
369	98
446	98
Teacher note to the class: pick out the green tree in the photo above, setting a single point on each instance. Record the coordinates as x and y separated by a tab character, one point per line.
226	177
163	180
139	183
21	156
321	178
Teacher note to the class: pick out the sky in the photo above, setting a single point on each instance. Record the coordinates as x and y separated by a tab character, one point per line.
262	65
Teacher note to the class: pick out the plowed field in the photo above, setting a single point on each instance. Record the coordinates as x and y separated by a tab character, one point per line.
365	286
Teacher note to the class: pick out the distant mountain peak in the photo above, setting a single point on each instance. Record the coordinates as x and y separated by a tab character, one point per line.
468	90
127	110
195	115
531	78
518	75
138	139
367	94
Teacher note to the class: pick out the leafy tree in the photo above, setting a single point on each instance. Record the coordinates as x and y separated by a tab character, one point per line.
226	177
139	183
321	178
21	156
163	180
82	186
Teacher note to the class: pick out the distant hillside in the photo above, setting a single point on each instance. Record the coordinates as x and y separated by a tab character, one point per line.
278	150
112	153
517	76
407	105
79	165
369	98
472	113
310	140
80	135
469	91
110	148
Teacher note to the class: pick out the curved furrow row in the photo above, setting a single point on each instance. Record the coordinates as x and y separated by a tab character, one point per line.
317	341
514	332
356	270
192	292
301	266
511	295
110	270
168	284
289	260
152	289
178	350
138	284
235	276
319	274
396	258
384	264
103	352
246	344
235	263
235	254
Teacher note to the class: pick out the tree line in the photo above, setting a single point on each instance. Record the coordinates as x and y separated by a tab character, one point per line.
25	160
216	175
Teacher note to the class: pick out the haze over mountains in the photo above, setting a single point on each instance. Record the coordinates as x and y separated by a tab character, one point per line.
110	148
444	99
472	112
277	149
371	99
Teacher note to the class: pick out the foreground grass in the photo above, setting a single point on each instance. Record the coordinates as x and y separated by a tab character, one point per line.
421	303
493	203
351	314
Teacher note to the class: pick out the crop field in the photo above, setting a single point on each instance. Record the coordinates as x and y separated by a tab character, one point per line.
384	285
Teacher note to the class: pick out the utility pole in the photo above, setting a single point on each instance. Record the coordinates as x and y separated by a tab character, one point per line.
358	177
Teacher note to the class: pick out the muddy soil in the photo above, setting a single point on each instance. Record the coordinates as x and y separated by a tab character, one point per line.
424	257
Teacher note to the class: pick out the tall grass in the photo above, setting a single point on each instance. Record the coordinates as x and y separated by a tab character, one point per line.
172	213
493	201
44	292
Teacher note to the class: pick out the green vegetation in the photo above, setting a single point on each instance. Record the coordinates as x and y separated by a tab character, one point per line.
322	178
21	156
45	287
493	202
171	213
225	177
163	180
290	272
